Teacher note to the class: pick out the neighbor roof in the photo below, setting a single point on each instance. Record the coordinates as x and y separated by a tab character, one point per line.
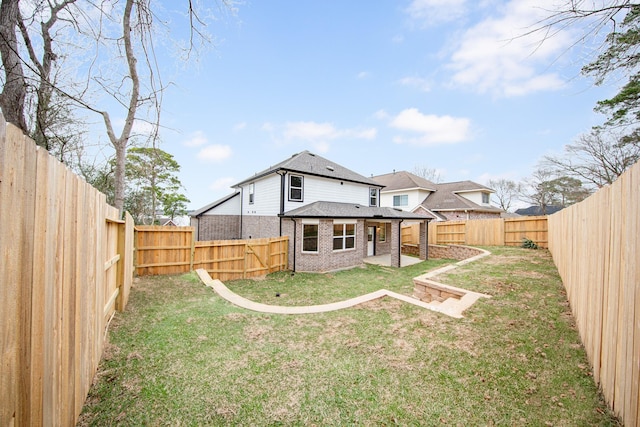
404	180
308	163
351	210
537	210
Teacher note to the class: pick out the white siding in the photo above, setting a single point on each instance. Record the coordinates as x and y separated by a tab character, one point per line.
317	189
475	197
415	197
230	207
266	197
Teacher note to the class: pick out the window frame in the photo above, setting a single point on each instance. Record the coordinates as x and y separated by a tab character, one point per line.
400	198
301	188
344	237
305	238
486	198
381	231
252	193
374	196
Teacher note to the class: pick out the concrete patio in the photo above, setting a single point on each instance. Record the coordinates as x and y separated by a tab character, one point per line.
385	260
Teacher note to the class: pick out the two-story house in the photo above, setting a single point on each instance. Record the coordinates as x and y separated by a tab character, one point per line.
331	214
449	201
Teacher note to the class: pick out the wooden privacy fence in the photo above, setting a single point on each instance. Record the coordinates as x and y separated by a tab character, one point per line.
596	248
67	263
482	232
172	250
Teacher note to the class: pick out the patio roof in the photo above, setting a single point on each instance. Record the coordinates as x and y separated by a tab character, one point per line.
352	210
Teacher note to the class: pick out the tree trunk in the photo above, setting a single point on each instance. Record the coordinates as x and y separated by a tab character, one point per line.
14	92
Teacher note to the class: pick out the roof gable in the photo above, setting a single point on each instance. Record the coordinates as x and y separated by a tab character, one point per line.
309	163
404	180
213	205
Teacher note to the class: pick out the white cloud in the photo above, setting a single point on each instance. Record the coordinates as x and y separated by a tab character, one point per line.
215	153
381	115
324	132
222	183
430	129
363	75
416	82
495	56
268	127
433	12
309	130
240	126
196	139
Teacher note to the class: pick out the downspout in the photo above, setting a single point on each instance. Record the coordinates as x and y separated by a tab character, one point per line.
241	209
294	243
282	188
400	242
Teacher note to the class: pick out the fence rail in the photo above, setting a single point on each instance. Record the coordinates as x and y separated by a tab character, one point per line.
596	248
172	250
67	263
483	232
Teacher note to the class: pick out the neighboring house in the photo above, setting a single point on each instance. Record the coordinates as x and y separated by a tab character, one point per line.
331	214
219	220
538	210
166	222
446	202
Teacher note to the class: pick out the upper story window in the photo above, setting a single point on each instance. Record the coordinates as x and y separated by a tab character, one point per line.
252	191
344	236
485	198
401	200
373	197
295	188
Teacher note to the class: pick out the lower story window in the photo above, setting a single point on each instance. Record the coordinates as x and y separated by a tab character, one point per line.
382	233
344	236
309	238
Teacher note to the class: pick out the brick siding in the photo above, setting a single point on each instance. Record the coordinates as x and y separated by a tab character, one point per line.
216	227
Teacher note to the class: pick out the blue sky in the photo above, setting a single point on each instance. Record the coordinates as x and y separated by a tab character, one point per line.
377	86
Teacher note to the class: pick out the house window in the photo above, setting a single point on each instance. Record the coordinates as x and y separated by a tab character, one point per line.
373	197
310	238
295	188
382	233
402	200
344	236
252	190
485	198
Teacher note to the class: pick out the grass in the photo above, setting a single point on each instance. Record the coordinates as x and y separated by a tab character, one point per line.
180	355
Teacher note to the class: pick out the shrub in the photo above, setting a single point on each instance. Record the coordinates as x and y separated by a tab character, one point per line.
529	244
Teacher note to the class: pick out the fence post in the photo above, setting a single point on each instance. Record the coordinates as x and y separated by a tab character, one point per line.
193	250
125	264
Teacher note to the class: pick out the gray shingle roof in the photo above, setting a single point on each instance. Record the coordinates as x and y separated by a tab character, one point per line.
350	210
443	197
312	164
404	180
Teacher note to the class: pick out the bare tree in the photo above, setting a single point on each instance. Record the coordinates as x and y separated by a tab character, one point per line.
121	64
423	171
506	191
597	158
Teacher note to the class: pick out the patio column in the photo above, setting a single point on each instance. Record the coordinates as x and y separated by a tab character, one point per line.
396	244
424	240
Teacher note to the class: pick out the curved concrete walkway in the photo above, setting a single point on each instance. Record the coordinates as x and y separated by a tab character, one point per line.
454	309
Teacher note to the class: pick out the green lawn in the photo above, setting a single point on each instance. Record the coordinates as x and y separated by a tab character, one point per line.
180	355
